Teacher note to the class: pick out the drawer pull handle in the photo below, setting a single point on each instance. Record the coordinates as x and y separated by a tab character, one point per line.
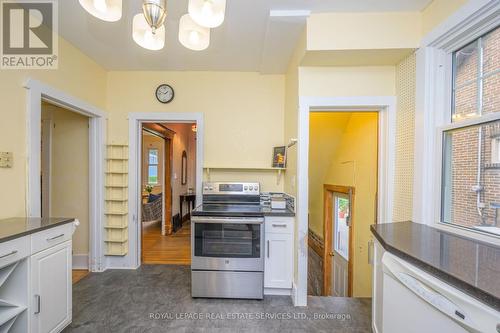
55	237
281	225
8	254
268	249
38	304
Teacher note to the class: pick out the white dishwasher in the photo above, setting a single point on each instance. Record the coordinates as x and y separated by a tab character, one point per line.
416	302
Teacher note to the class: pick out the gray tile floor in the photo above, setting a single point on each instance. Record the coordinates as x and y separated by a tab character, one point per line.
156	298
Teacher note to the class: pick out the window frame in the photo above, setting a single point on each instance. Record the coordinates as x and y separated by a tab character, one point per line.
335	206
433	116
153	164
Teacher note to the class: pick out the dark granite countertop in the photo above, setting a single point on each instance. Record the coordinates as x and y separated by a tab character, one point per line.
467	264
235	210
16	227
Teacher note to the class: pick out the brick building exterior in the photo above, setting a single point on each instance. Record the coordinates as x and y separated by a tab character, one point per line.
466	145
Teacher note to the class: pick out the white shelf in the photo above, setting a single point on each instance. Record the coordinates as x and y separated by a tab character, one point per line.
11	312
6	272
243	168
278	171
5	328
116	213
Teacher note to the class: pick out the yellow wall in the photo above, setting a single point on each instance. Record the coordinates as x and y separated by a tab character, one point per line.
243	112
347	81
359	31
70	170
355	164
77	75
325	133
437	11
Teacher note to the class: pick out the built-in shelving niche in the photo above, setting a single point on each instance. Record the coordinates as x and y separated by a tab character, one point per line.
116	200
14	297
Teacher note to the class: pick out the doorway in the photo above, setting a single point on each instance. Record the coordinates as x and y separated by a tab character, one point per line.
65	176
168	180
343	158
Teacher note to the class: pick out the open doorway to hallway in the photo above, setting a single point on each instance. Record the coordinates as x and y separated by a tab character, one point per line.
343	180
65	176
168	182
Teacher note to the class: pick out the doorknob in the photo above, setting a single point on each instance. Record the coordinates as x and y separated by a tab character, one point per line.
330	254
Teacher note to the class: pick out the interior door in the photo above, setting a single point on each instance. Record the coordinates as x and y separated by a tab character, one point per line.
340	245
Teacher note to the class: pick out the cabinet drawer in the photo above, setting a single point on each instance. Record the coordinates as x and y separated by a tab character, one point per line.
279	225
44	239
14	250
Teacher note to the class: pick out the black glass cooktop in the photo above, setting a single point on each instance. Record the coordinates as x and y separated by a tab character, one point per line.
228	210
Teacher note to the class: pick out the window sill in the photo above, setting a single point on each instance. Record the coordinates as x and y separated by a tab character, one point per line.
492	166
468	232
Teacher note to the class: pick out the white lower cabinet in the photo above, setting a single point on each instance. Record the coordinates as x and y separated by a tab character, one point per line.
278	263
35	282
51	289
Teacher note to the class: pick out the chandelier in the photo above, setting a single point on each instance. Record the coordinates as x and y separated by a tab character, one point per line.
148	29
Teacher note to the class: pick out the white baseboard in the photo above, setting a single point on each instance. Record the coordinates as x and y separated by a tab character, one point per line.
278	291
80	261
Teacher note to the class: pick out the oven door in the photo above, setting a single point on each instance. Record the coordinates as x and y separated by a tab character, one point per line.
228	244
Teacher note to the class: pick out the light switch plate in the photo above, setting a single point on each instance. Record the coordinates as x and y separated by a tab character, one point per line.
5	159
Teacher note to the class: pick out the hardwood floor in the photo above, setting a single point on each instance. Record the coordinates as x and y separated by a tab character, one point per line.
78	274
174	249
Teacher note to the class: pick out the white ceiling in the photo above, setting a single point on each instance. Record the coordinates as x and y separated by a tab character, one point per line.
248	40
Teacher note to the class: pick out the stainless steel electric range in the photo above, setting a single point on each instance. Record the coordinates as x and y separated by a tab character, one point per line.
227	242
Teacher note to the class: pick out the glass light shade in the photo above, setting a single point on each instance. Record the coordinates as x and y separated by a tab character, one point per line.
106	10
207	13
192	35
155	12
144	35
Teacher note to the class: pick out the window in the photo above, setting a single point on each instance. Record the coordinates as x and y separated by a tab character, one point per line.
153	166
495	150
341	216
476	75
470	177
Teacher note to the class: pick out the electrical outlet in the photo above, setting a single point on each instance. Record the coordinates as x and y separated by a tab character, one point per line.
5	160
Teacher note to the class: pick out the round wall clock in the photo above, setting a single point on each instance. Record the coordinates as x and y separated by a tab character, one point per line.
164	93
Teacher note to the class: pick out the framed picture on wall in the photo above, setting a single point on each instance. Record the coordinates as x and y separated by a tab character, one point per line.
279	157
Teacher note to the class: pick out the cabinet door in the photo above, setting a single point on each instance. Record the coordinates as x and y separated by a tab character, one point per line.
51	289
278	261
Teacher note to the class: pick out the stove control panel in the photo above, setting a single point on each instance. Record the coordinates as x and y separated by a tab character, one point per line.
231	188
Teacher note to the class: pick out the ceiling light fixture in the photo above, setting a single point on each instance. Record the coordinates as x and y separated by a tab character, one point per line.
106	10
148	30
144	35
155	12
192	35
207	13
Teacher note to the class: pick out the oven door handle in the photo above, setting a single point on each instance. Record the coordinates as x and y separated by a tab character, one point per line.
231	220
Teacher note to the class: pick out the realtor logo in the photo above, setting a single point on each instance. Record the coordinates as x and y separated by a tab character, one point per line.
29	34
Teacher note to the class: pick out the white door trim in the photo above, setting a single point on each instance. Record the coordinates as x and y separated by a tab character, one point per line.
133	258
386	106
36	93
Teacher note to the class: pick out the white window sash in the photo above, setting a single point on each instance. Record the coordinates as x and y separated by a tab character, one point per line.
434	108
